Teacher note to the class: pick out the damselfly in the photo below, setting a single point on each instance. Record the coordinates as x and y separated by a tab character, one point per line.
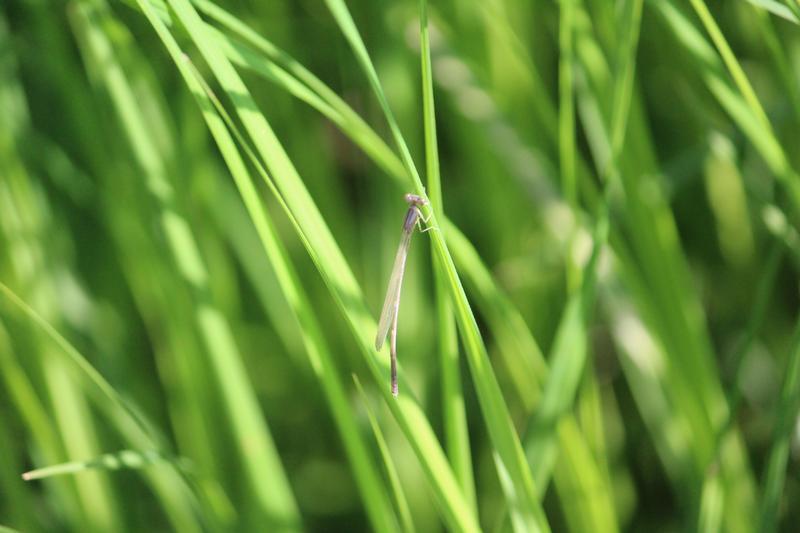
391	305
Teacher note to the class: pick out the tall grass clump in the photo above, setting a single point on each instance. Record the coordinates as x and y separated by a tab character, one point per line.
199	204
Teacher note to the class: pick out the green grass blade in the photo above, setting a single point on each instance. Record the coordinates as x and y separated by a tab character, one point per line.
731	63
23	395
567	364
780	59
566	113
398	495
455	419
787	413
566	367
763	291
784	170
625	76
786	12
125	459
521	354
712	499
534	124
711	505
18	505
566	131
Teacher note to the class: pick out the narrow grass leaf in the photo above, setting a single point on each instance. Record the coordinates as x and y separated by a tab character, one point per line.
125	459
567	364
453	411
566	110
398	495
711	505
787	415
776	8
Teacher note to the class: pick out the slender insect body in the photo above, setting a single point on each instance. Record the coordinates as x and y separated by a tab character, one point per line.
391	305
412	216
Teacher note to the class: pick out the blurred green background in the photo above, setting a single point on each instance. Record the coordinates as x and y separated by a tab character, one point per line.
199	208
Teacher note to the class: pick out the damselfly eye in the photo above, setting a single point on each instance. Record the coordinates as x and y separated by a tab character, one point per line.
414	199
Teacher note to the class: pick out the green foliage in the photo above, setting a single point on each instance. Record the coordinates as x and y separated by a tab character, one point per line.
199	201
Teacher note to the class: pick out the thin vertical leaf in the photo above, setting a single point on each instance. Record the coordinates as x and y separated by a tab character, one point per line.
455	419
787	414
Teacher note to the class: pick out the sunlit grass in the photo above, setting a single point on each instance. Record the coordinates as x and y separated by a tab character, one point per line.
593	341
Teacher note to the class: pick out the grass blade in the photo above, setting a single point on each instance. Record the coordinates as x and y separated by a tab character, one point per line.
778	9
455	419
398	496
567	364
125	459
788	410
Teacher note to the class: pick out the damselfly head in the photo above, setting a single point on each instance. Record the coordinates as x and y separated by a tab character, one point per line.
414	199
